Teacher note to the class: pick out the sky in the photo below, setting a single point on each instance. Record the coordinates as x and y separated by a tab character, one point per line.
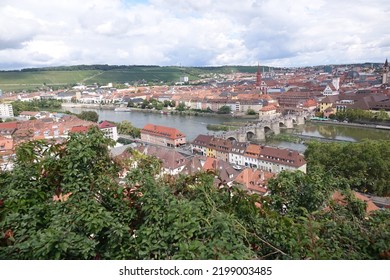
280	33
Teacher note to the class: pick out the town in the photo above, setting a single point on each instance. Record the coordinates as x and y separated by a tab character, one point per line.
311	92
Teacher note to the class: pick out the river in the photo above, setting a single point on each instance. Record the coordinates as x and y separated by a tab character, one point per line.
192	126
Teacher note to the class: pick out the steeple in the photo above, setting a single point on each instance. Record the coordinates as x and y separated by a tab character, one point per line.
258	76
385	73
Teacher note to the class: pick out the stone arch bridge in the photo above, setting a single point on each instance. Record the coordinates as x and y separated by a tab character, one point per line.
258	130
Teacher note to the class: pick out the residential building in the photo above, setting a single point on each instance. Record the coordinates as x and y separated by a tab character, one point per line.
200	144
172	161
268	111
109	130
162	135
225	174
220	148
276	160
6	110
251	156
265	158
7	129
255	181
6	153
236	155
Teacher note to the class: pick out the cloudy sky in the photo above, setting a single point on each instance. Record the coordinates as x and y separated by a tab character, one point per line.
193	32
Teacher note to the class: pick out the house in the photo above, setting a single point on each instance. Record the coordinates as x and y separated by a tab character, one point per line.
219	148
225	174
276	160
328	102
236	155
6	110
268	111
172	161
7	152
251	155
254	180
162	135
339	198
7	129
29	114
200	144
109	130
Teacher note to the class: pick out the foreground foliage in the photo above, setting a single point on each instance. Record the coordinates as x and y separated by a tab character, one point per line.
364	165
65	201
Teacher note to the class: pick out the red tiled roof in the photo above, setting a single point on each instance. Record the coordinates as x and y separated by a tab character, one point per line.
254	179
106	124
162	131
340	199
79	129
9	125
268	108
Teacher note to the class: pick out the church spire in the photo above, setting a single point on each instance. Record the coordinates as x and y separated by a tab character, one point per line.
258	76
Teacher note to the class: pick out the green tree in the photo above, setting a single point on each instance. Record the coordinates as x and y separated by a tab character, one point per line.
251	112
224	110
125	127
181	107
91	116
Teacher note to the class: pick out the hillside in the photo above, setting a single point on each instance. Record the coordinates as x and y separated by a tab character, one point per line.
60	77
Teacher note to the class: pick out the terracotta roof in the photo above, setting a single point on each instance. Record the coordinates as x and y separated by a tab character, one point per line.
170	159
268	108
162	131
254	180
202	140
9	125
252	150
79	129
106	124
310	103
6	144
282	156
339	198
222	168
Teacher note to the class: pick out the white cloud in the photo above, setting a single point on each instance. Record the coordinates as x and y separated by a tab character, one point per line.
202	32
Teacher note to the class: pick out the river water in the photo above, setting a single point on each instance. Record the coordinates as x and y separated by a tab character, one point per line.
192	126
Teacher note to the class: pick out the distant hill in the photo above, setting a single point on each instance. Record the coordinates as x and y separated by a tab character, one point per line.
31	79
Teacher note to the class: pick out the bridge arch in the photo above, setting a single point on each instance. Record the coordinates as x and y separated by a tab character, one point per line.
232	138
282	125
250	135
267	129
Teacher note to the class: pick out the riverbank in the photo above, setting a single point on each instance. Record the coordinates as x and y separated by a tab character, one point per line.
373	126
66	106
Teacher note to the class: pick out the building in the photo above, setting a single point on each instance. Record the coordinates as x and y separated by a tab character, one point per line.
6	153
236	155
219	148
162	135
276	160
386	73
109	130
254	181
6	110
200	144
250	155
172	161
268	111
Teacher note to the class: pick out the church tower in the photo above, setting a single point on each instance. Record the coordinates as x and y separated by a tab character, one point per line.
385	77
258	76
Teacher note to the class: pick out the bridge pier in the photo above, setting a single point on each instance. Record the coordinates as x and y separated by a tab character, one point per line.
300	119
288	122
259	132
